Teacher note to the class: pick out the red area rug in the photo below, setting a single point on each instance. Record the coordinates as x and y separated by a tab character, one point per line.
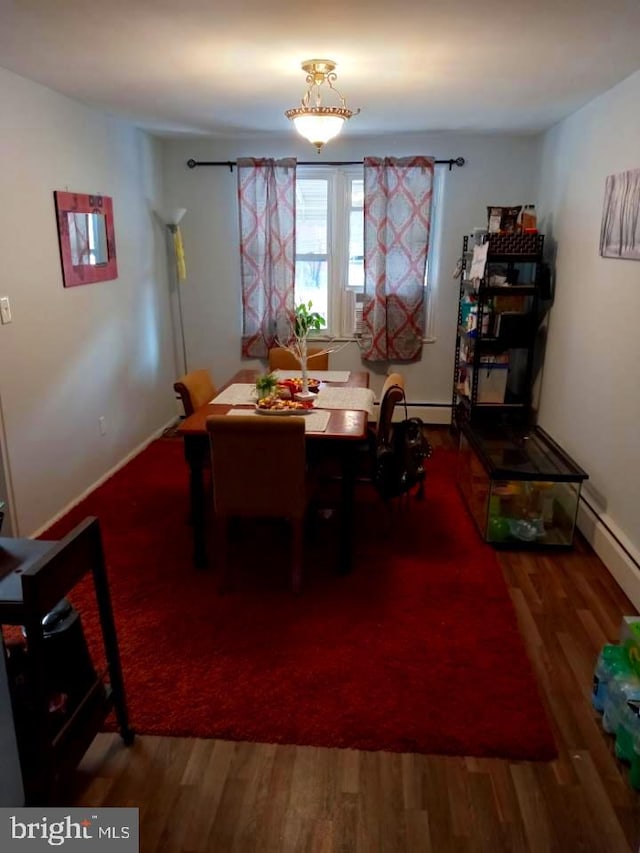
417	650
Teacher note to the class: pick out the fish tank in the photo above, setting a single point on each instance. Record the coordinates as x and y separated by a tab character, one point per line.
520	487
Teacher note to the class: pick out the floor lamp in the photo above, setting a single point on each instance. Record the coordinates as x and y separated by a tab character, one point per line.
171	220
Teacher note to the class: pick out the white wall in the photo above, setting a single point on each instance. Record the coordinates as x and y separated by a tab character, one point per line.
73	355
590	401
499	170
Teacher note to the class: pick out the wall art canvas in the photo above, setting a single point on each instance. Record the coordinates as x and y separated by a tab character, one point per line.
87	238
620	232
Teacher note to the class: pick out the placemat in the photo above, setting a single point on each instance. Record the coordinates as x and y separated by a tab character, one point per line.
237	393
360	399
323	375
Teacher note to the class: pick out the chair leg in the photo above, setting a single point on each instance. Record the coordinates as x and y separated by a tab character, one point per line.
296	554
221	525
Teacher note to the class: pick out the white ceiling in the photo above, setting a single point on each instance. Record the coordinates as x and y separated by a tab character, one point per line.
194	66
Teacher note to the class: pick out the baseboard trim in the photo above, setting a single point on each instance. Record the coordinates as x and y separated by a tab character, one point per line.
610	544
101	480
431	413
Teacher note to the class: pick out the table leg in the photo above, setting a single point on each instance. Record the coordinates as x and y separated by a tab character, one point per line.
110	640
345	556
195	448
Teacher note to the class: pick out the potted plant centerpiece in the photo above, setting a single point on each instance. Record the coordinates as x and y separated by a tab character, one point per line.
266	385
305	322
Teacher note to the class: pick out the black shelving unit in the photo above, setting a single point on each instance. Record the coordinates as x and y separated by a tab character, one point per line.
497	326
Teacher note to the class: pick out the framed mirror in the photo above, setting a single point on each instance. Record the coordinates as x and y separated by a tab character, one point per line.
87	238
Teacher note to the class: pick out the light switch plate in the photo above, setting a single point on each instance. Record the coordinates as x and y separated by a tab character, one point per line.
5	309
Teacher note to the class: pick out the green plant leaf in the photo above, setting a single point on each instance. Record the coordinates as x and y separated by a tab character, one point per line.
306	319
266	383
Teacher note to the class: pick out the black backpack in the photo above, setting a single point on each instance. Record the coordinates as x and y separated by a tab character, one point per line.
399	465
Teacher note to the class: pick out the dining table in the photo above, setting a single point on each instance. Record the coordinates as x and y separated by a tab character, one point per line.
344	435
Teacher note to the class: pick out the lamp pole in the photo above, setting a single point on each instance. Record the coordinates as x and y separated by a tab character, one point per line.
173	229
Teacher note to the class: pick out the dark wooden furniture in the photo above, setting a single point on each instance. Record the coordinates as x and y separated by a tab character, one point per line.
344	433
34	576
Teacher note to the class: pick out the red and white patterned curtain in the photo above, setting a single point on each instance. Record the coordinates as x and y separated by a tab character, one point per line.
397	216
267	202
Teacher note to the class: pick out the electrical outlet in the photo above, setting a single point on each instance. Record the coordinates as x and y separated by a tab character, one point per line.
102	423
5	309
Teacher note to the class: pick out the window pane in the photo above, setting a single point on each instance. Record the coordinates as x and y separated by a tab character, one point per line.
311	216
311	239
356	272
355	276
357	192
311	285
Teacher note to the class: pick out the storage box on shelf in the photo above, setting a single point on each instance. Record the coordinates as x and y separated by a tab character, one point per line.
515	244
491	384
519	486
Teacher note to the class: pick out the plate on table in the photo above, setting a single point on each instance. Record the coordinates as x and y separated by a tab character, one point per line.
283	407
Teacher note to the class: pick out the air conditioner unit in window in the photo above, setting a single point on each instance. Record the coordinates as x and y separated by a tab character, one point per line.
352	306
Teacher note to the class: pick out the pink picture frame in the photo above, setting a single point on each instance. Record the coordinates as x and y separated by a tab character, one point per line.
87	238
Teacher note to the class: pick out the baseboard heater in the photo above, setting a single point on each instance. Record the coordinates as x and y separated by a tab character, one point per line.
412	405
632	557
431	413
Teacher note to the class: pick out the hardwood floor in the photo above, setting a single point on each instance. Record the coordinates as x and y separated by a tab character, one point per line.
198	795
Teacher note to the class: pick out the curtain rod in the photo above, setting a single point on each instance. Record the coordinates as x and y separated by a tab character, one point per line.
457	161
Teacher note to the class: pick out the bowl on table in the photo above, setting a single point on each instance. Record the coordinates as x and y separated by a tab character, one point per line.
294	386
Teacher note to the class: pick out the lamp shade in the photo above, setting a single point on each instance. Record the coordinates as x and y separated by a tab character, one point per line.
171	216
175	215
318	129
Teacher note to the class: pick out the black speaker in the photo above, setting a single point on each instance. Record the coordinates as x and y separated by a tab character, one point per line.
67	662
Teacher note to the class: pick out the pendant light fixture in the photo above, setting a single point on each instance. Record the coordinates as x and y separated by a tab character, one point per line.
316	122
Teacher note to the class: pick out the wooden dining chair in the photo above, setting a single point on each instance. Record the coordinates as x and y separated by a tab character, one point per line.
380	433
258	465
195	389
392	394
282	359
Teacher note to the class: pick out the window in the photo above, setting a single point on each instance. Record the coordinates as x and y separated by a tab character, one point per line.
330	244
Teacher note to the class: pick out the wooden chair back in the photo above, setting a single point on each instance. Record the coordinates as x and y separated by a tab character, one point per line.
282	359
392	394
195	389
258	465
